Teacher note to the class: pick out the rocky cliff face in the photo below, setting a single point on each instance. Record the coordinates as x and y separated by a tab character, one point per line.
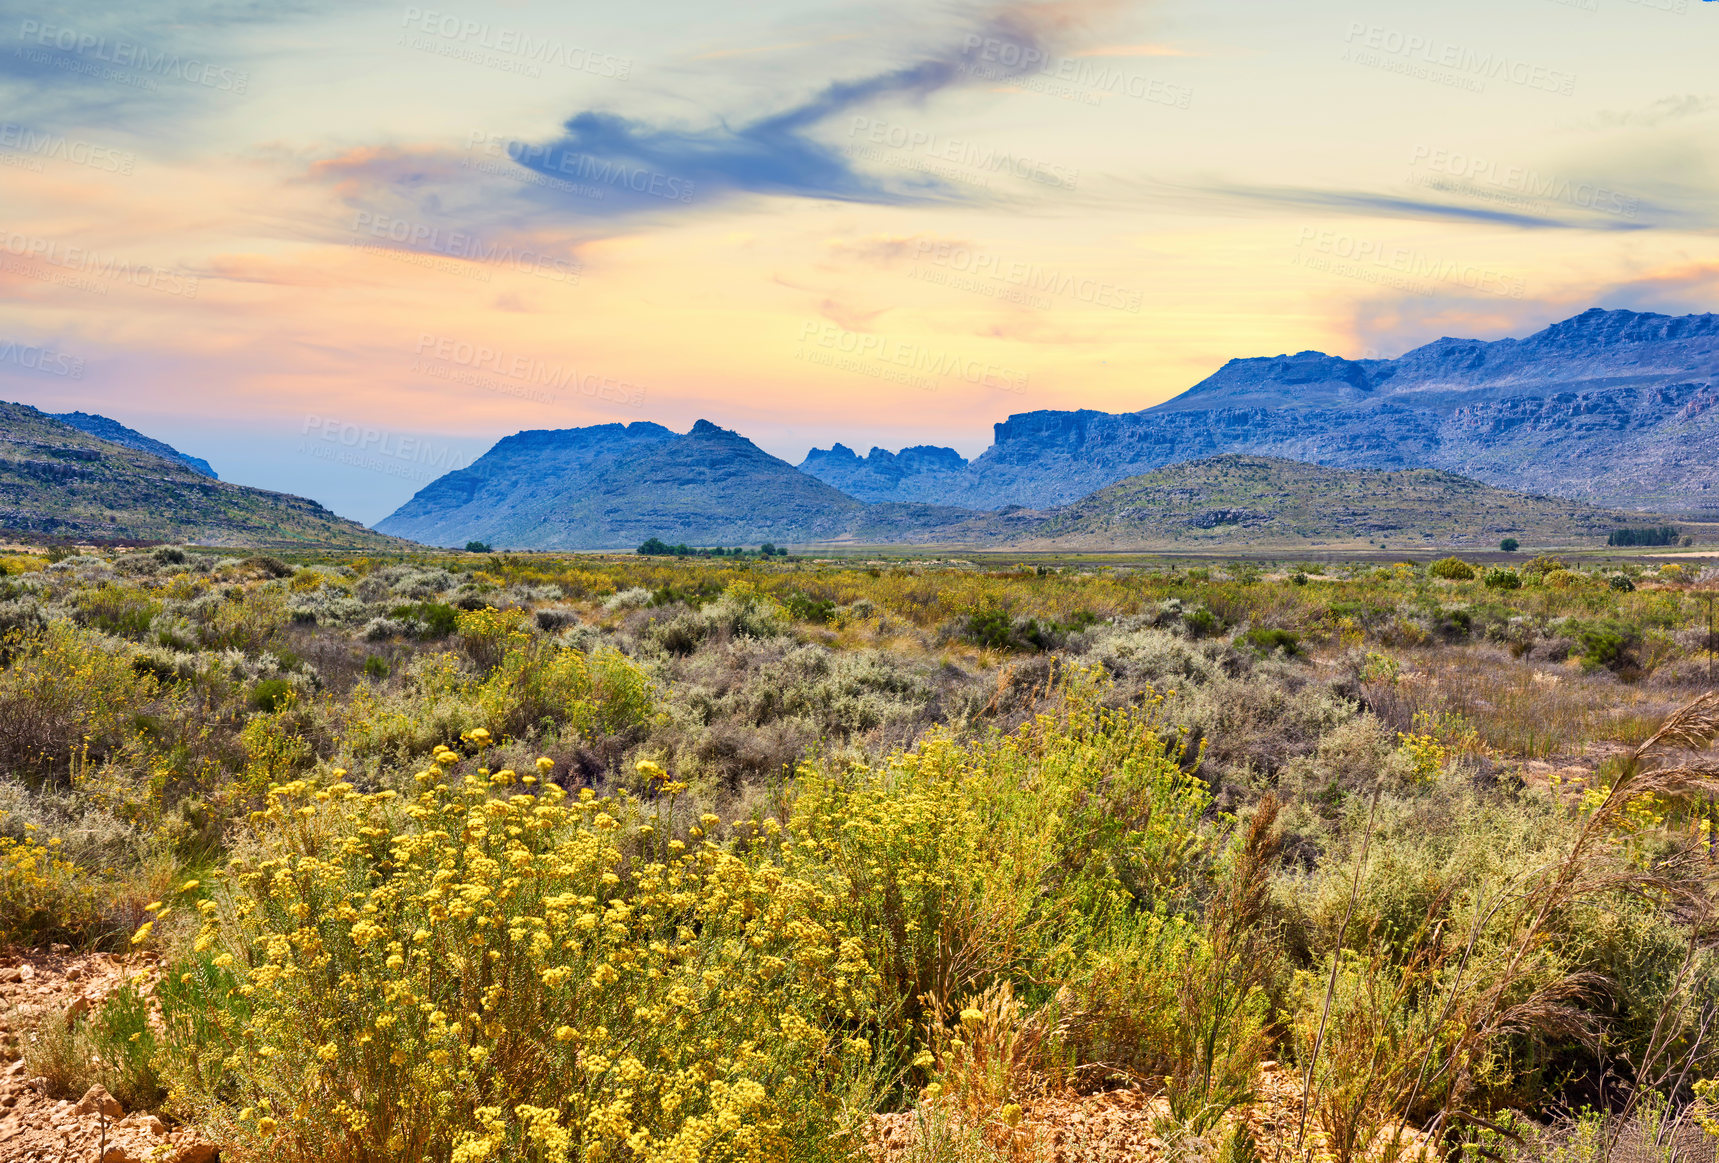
1615	408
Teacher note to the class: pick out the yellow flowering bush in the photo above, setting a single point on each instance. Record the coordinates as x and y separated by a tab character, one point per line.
497	969
43	897
1424	754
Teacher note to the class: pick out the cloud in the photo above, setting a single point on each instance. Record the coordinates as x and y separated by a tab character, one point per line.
1393	324
607	165
1137	50
1396	206
1660	112
1686	288
146	68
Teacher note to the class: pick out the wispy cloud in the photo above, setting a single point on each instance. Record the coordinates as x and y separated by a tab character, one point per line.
1396	206
148	68
606	164
1658	113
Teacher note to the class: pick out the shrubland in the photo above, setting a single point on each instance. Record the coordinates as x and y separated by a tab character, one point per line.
525	857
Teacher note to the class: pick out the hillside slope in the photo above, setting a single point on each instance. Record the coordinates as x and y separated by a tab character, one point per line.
1615	408
58	480
1235	500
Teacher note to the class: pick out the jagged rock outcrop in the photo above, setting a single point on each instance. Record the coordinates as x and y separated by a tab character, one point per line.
878	475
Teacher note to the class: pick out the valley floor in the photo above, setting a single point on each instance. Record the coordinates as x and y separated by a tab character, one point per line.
462	857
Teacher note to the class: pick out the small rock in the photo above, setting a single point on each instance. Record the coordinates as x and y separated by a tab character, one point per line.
11	973
118	1153
97	1100
78	1008
197	1153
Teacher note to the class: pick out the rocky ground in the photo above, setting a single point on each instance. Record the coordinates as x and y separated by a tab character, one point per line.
35	1126
1125	1126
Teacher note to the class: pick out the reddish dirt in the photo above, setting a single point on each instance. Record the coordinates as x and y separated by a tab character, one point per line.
1122	1126
36	1128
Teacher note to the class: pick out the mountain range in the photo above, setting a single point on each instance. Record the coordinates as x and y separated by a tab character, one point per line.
1607	418
58	479
1616	408
615	485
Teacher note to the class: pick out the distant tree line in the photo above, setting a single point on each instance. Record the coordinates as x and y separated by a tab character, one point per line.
1659	535
656	547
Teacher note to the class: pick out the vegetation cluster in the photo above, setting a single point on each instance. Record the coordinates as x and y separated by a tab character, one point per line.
461	857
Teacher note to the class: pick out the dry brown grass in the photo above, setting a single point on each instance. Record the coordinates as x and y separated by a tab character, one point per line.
1520	709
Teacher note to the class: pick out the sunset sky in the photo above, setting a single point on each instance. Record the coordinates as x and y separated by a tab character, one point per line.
338	249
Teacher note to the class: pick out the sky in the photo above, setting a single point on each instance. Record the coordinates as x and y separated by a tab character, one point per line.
340	249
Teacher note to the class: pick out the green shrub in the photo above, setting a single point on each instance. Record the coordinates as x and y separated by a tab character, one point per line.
1270	640
1452	569
1510	545
804	608
376	667
117	609
125	1046
599	694
1201	622
1609	644
271	694
1502	579
428	619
